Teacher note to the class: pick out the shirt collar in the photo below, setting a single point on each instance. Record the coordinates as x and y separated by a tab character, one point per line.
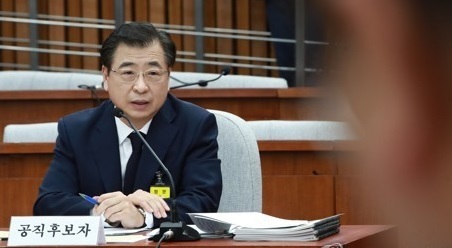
124	130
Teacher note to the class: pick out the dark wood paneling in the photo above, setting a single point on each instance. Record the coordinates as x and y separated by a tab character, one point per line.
141	10
57	33
7	30
224	19
38	111
22	31
298	163
298	197
74	34
17	197
230	14
157	11
175	15
243	21
258	48
357	202
107	8
90	9
210	42
188	40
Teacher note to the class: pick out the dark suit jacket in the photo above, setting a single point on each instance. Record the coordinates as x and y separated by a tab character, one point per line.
87	159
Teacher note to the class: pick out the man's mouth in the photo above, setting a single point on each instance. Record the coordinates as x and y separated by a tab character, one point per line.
140	102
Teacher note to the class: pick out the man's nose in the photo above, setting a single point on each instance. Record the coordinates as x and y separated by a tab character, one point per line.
141	84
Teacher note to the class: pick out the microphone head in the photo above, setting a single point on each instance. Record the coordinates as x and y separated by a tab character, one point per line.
89	87
83	86
118	112
226	71
202	83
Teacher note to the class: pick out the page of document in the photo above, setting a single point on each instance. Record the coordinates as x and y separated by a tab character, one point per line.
4	235
112	231
249	219
125	238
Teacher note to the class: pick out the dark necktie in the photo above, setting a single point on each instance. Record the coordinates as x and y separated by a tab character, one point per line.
132	164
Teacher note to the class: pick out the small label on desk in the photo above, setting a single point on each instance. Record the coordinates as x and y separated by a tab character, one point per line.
56	230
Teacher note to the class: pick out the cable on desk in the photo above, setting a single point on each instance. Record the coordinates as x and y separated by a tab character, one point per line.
160	241
167	235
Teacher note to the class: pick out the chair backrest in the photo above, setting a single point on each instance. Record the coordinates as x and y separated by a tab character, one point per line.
240	165
229	81
301	130
38	132
42	80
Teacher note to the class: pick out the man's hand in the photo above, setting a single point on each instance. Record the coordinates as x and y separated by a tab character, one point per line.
150	203
117	207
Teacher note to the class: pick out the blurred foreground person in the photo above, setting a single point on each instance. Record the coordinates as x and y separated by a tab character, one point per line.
394	63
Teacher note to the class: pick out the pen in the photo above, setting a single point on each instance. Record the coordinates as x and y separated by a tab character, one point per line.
90	199
93	201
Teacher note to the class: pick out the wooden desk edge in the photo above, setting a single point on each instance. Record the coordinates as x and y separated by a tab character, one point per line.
295	145
181	93
264	146
26	148
185	93
301	92
347	235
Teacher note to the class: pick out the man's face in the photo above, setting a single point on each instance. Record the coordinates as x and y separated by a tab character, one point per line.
137	81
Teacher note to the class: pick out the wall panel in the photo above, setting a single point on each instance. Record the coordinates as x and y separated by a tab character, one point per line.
90	9
224	14
7	31
22	31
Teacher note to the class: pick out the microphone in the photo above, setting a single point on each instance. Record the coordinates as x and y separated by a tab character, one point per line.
90	87
202	83
93	89
179	230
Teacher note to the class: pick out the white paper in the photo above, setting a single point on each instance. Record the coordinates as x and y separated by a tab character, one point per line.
125	238
250	219
114	231
4	235
258	226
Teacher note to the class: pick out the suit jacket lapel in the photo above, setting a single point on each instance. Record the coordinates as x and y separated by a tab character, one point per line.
160	136
104	142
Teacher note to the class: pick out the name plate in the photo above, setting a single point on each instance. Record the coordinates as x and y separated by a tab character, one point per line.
56	230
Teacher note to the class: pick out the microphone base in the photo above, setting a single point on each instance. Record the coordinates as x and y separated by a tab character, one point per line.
181	231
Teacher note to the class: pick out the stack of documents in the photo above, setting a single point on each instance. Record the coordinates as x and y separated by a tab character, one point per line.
252	226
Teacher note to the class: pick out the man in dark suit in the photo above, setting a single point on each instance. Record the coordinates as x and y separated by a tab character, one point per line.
94	148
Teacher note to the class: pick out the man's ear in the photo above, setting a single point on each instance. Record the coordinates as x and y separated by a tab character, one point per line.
105	77
169	73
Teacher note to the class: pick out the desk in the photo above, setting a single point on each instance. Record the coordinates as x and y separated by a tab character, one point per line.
250	104
349	237
301	180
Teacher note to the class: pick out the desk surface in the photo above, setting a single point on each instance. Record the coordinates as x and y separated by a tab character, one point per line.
349	237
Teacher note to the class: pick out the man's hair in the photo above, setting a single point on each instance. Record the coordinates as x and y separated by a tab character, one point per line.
139	35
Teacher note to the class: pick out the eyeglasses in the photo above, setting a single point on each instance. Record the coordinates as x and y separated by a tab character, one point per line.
150	76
